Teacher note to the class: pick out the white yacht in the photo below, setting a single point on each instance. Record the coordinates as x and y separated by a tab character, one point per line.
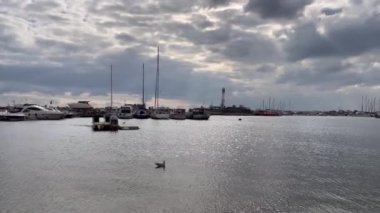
36	112
140	111
160	113
125	112
178	114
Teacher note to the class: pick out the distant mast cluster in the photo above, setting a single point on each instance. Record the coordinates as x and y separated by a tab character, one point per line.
369	104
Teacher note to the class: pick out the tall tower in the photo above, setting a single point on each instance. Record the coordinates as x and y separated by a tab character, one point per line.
223	100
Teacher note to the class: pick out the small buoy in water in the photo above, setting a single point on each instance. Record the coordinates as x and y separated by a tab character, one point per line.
239	119
160	165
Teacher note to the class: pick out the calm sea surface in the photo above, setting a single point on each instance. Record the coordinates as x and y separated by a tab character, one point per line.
260	164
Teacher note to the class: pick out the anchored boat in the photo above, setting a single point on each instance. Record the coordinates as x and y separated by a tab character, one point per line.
197	114
125	112
111	121
160	113
36	112
140	111
178	114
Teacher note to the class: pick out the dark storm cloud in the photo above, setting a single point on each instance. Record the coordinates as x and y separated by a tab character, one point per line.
286	9
201	21
343	39
229	44
357	2
9	43
177	80
62	46
331	11
7	38
198	36
57	18
237	18
249	48
51	79
325	75
215	3
41	6
125	37
154	8
307	42
255	71
330	74
266	68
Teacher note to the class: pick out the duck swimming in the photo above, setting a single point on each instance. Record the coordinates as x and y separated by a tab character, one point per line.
160	165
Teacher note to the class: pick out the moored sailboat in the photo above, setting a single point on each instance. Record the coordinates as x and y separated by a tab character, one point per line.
111	122
140	112
158	112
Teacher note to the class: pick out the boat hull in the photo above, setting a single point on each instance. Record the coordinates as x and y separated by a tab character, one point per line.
12	117
125	116
160	113
177	116
141	114
44	116
160	116
198	117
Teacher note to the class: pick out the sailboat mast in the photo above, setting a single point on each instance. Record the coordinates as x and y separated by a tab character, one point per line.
155	93
158	75
111	88
143	87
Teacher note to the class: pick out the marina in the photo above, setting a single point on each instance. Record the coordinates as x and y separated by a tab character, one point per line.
139	111
213	106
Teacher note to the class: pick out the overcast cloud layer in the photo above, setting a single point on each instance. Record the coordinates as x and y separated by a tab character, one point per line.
314	54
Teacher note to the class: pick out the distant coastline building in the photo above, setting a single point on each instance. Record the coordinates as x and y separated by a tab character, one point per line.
82	108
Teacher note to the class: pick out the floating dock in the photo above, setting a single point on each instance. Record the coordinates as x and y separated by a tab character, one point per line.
111	123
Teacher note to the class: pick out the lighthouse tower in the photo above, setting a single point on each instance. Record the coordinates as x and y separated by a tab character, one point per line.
223	95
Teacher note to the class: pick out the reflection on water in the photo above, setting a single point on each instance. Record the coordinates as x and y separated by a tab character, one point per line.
284	164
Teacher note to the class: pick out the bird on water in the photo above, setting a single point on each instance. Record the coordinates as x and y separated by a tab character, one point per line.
160	165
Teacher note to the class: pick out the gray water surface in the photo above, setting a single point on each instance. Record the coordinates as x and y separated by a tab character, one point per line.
259	164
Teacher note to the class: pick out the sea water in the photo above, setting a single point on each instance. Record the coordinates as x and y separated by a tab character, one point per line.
259	164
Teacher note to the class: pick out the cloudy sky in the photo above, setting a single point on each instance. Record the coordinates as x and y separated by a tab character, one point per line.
311	54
